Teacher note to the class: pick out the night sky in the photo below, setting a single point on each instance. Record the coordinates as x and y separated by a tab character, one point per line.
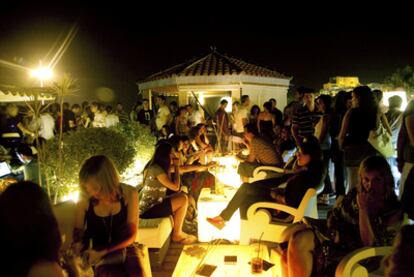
116	46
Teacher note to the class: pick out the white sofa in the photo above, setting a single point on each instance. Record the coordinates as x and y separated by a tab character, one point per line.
155	234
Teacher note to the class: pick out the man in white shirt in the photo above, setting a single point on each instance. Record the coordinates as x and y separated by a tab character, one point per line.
194	116
244	109
163	113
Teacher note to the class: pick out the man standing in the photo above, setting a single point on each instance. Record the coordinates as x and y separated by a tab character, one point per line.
261	152
122	115
145	115
276	112
305	118
222	121
244	110
163	113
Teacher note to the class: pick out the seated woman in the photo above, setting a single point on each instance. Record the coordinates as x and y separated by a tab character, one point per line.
194	175
308	174
399	262
201	139
155	202
107	217
369	215
29	233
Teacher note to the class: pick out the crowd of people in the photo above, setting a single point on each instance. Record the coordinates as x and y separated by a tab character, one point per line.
302	140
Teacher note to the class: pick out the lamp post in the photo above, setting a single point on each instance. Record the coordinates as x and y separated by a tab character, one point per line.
42	73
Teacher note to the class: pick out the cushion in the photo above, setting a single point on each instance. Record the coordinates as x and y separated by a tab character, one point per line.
154	232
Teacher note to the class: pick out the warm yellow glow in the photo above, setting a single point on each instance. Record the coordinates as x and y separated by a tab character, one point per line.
42	73
402	94
133	175
201	98
73	196
210	205
229	105
226	172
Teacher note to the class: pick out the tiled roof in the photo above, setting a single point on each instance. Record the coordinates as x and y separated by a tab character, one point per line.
214	64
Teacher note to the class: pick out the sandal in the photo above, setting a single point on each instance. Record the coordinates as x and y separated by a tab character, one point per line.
218	223
187	240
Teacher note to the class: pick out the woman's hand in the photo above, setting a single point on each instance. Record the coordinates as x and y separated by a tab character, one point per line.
77	248
176	161
94	256
364	201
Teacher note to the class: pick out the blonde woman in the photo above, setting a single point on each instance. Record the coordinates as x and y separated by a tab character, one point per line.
106	219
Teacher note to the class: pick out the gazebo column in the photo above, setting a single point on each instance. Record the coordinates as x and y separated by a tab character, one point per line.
182	98
235	95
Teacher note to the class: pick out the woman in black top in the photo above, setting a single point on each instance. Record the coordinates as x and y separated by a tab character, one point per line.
106	219
309	173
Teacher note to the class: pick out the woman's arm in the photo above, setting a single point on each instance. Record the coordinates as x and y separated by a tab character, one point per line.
409	124
273	121
24	129
79	227
385	123
324	129
166	181
258	122
344	129
190	168
365	229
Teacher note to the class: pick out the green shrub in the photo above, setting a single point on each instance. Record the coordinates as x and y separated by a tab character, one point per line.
125	144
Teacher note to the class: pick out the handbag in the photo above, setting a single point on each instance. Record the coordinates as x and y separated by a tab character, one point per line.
381	141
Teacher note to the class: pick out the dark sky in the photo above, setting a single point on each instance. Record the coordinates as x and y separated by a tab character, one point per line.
117	45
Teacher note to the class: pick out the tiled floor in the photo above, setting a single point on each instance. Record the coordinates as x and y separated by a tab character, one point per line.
175	249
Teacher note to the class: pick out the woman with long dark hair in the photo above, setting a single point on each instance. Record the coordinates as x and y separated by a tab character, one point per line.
154	200
29	233
363	117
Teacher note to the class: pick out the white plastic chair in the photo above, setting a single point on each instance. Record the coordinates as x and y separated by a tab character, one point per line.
350	266
261	172
259	219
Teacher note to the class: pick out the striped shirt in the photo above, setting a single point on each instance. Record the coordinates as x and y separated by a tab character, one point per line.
306	120
265	152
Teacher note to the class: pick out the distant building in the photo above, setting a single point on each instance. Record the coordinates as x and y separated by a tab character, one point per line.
338	83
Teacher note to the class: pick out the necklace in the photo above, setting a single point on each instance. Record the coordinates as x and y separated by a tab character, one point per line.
108	229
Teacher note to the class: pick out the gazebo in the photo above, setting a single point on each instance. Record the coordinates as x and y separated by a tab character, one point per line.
215	76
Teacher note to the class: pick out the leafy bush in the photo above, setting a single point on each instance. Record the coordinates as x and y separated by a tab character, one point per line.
125	144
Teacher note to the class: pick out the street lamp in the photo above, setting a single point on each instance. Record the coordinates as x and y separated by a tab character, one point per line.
42	73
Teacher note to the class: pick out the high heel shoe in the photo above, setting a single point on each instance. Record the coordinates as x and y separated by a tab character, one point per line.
218	223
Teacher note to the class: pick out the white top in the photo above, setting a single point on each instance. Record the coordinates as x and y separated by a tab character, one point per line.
196	118
111	120
162	117
99	120
241	114
47	126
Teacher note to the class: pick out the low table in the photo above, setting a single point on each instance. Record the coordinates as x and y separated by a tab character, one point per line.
189	261
210	205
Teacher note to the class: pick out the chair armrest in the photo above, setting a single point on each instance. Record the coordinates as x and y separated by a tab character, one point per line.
270	205
346	265
267	168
